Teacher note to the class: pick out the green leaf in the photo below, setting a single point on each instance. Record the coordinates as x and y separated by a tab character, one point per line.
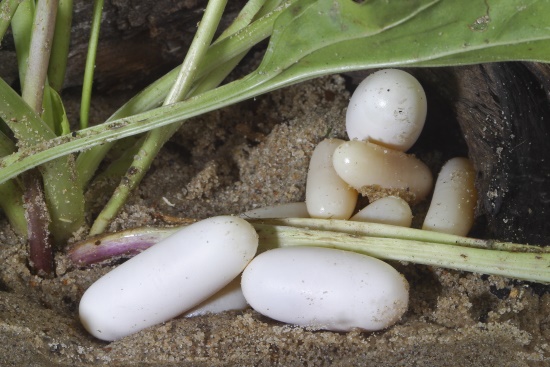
443	34
7	9
309	25
59	114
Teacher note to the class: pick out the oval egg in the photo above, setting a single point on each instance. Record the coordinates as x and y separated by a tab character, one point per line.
168	278
325	288
229	298
388	210
388	108
363	165
287	210
327	195
454	200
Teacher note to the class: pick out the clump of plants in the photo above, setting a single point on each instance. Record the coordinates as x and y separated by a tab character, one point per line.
46	166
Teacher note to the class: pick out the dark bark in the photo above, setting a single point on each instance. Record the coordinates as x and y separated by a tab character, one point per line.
504	113
139	40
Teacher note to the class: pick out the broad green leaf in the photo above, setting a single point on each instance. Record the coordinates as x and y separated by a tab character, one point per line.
442	34
310	25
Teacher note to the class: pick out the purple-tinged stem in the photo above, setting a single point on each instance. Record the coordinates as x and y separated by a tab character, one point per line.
116	245
38	220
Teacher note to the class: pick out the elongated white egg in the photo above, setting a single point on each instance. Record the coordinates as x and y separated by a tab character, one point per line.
388	210
454	200
362	164
327	195
229	298
325	289
168	278
387	108
287	210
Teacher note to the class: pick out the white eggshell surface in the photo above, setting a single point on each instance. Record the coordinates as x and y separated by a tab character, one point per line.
362	164
327	195
168	278
388	210
454	200
229	298
388	108
325	288
287	210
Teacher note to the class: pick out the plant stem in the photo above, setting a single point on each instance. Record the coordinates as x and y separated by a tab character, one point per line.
7	10
39	54
388	231
60	45
33	56
63	193
156	138
378	240
517	265
40	249
90	65
11	200
11	194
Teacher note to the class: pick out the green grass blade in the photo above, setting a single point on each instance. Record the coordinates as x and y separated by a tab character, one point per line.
11	194
7	10
12	204
90	65
156	138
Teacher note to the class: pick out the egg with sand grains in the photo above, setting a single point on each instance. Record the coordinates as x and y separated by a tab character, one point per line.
322	288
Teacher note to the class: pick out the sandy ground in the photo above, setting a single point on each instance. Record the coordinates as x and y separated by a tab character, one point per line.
241	158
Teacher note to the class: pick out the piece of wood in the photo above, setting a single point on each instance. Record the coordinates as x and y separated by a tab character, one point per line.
139	41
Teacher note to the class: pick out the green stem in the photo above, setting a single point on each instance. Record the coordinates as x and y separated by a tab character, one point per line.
378	240
60	46
517	265
7	10
90	65
388	231
39	54
156	138
11	200
11	194
245	17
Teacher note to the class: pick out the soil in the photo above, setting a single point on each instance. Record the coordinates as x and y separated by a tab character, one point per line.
243	157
